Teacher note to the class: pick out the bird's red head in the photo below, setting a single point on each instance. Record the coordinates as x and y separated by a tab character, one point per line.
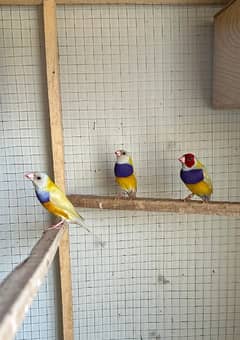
188	159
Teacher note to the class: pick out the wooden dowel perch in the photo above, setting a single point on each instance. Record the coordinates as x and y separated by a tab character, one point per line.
160	205
19	288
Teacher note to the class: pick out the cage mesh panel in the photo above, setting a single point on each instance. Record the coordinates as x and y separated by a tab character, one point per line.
140	78
24	147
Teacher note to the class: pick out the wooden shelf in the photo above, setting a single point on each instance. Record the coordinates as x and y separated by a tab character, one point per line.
157	205
226	67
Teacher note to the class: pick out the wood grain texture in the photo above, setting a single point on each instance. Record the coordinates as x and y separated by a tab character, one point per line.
144	2
20	2
228	3
226	66
157	205
89	2
19	288
53	86
54	100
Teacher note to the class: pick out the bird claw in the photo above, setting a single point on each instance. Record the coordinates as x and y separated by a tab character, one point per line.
126	195
120	195
204	199
188	198
132	195
55	226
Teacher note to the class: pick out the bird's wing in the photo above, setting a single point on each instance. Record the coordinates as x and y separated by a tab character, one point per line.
206	176
59	199
135	182
207	179
130	161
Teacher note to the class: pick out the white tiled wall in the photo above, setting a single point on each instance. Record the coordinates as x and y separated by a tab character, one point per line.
139	77
24	146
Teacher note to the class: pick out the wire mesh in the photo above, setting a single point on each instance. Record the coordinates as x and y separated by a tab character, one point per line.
137	77
140	77
24	126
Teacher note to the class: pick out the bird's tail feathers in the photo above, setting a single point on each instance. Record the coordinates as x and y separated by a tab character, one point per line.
82	223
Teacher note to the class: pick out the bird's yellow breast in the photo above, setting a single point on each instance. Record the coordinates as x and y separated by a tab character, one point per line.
201	188
55	210
127	183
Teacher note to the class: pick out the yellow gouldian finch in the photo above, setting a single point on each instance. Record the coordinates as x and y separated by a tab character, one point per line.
124	173
54	200
194	175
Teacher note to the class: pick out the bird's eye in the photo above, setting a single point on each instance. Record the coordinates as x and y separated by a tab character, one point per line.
38	177
124	153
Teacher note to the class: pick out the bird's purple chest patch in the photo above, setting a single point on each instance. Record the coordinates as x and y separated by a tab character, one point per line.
123	170
192	176
43	196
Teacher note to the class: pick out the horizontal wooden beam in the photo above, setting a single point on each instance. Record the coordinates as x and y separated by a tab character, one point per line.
157	205
143	2
115	2
20	286
20	2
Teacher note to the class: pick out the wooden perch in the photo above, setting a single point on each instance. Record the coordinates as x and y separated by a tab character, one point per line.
117	2
156	204
19	288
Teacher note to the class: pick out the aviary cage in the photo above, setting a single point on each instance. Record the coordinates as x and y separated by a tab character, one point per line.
135	75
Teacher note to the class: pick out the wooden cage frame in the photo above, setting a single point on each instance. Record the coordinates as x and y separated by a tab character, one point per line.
17	295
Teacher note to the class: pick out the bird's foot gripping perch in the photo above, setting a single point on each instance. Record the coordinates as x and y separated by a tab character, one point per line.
205	199
121	195
132	195
188	198
127	195
55	226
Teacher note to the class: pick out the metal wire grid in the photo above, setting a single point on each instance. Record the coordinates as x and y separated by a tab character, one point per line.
139	77
24	147
145	304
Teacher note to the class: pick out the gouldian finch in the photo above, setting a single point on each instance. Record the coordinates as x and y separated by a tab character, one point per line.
124	173
54	200
194	175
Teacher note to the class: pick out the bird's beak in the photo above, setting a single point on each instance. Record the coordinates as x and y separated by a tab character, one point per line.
30	176
182	159
118	153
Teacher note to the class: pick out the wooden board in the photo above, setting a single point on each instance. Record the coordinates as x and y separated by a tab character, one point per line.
19	288
20	2
89	2
157	205
144	2
54	100
226	68
228	3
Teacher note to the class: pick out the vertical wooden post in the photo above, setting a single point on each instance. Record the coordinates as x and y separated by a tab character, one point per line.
54	101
